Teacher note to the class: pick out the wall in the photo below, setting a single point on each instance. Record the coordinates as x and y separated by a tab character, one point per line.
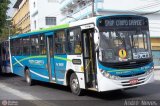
21	18
43	8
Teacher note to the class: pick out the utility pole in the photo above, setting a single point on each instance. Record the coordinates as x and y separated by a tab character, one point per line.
9	26
92	8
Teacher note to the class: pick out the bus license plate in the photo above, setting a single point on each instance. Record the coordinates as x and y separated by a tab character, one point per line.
133	81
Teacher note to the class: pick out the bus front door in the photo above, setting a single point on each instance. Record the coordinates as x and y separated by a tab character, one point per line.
50	59
89	58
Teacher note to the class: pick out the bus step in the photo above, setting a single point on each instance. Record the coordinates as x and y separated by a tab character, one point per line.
92	89
52	82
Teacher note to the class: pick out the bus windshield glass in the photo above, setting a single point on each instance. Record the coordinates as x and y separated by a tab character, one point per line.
119	46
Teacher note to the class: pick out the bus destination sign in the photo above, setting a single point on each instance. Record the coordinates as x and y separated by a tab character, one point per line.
122	22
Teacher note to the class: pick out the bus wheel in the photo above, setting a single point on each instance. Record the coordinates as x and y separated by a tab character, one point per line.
28	77
74	85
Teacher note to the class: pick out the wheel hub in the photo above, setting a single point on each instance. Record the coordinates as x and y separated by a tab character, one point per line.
75	84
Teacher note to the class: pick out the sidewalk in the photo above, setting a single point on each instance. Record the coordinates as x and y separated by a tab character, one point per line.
157	74
157	67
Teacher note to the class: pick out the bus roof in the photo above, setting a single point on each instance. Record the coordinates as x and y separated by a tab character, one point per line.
40	31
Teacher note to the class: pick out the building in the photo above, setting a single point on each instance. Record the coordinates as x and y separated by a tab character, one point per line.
43	13
155	37
21	17
33	15
73	10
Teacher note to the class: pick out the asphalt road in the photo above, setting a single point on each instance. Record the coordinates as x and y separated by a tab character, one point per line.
15	91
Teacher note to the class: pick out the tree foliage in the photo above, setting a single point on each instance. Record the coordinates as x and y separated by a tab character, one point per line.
3	10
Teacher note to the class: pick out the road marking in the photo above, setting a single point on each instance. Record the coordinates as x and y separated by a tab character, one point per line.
35	100
18	93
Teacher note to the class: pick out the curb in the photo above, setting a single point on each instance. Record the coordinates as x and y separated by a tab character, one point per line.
156	69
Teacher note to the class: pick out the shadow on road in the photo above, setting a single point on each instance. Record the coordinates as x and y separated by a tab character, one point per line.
52	86
4	76
140	92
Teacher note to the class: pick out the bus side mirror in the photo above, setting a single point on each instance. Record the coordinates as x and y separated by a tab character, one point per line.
96	41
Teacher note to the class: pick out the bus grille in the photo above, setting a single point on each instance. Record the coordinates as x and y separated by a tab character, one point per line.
126	83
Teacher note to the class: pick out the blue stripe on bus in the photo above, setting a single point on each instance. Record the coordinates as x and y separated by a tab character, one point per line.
38	69
36	65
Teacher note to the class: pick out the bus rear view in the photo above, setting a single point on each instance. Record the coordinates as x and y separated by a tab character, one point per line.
123	52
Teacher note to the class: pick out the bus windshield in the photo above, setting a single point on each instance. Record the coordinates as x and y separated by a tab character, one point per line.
119	46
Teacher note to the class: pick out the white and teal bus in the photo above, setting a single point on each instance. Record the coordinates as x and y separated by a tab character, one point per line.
100	53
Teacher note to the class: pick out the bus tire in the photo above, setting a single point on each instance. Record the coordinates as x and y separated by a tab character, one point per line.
74	85
28	77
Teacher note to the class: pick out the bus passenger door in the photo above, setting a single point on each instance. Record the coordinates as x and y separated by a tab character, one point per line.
50	57
60	57
89	58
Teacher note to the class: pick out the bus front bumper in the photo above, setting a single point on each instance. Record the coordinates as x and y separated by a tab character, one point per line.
105	84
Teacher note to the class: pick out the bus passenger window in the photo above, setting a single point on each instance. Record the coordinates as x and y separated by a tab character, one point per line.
74	41
78	48
60	42
35	45
43	50
51	51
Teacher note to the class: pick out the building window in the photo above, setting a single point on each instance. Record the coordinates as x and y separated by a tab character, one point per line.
34	4
50	20
35	24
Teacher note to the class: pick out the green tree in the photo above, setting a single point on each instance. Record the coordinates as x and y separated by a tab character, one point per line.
3	10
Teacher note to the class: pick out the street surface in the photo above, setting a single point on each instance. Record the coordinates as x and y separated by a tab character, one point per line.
15	92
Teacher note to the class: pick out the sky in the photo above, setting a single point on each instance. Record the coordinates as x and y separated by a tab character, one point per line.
11	10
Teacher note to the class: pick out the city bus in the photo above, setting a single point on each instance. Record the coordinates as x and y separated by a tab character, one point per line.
102	53
4	57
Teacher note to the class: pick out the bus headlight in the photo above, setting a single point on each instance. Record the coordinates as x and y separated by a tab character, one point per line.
107	75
